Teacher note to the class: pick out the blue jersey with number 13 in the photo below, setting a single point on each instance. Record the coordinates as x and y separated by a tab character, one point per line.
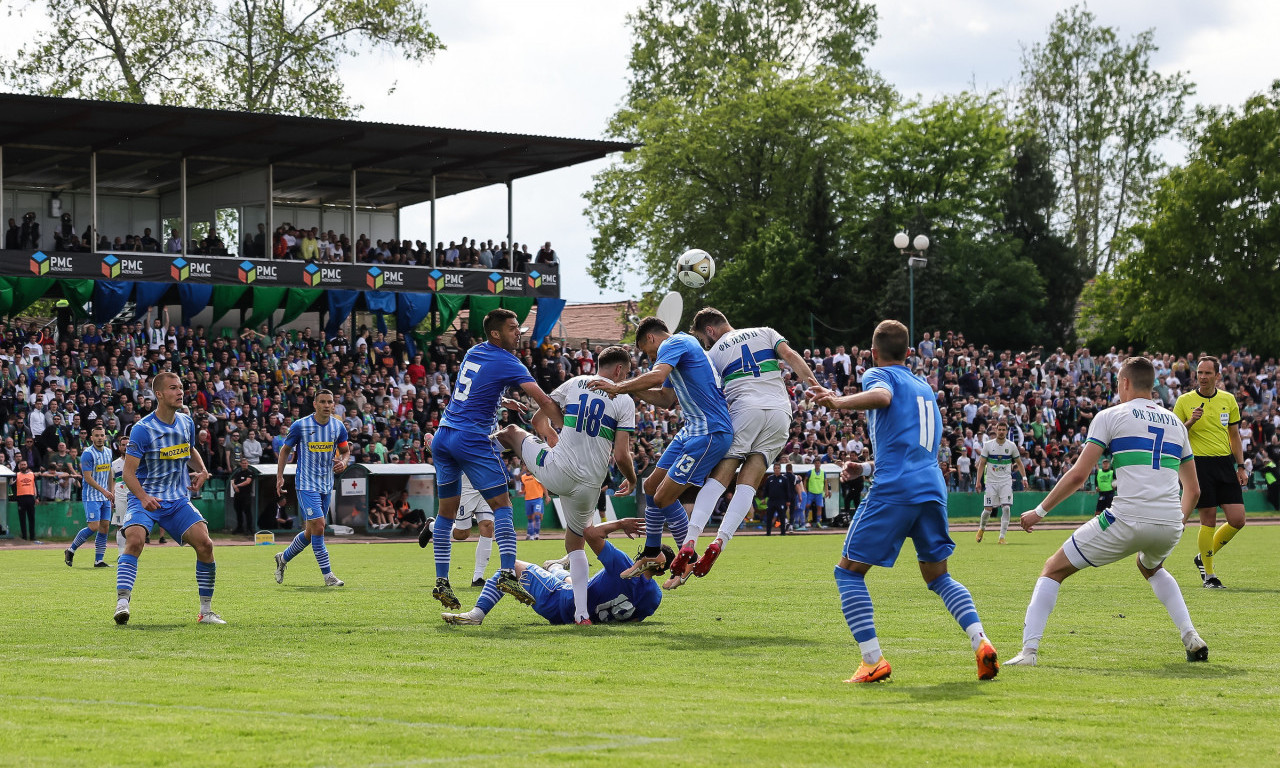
485	373
905	438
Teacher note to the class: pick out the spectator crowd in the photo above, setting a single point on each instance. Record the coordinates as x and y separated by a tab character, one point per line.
244	390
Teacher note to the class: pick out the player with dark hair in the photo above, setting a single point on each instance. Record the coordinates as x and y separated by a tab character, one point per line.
99	490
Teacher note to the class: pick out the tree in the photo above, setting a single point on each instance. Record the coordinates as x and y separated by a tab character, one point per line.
274	56
1101	110
1206	270
735	105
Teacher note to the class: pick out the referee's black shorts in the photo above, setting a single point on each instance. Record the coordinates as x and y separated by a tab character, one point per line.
1219	485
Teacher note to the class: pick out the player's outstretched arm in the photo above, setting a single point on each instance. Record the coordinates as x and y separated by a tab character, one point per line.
597	535
544	403
622	458
651	379
870	400
1070	482
1190	487
797	363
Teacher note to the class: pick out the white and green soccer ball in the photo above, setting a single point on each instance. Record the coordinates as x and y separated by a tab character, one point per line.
695	268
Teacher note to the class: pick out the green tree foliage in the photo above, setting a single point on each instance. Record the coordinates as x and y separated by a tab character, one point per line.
1101	109
274	56
1206	271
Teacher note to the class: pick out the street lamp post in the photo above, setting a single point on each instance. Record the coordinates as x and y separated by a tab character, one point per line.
914	250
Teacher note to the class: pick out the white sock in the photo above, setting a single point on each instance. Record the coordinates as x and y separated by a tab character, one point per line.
206	605
982	522
579	575
1043	599
484	549
703	505
975	633
475	613
1004	520
1166	588
870	650
739	508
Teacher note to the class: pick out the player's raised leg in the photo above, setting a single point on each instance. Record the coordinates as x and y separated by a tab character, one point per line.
744	492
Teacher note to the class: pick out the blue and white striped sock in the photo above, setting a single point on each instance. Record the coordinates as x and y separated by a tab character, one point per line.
855	603
81	538
504	532
442	544
958	600
296	546
490	595
99	547
205	574
126	574
322	553
654	519
678	521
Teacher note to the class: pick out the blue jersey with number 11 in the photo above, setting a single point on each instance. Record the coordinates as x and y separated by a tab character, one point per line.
484	375
905	438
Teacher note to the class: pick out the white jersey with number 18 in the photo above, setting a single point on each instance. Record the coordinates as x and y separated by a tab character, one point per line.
591	420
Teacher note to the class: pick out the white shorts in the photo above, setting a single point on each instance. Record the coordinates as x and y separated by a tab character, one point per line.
471	507
762	432
121	508
998	494
1106	539
578	496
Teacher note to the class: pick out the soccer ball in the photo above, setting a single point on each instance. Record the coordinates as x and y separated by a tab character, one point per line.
695	267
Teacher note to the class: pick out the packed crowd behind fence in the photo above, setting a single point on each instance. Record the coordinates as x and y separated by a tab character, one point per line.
244	391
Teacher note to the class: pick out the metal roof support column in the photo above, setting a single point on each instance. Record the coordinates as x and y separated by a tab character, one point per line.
182	181
93	200
269	243
353	216
432	244
511	238
3	221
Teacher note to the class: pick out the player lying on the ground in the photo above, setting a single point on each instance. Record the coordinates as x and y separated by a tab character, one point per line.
760	410
573	465
908	499
681	372
609	596
99	490
1151	455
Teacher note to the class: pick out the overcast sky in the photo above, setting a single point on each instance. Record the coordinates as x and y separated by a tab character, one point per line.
559	68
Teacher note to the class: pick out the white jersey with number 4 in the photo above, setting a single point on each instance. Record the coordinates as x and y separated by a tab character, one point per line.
746	360
1148	445
591	420
1000	458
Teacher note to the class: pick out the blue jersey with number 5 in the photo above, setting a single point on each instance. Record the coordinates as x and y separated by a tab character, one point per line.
485	373
905	438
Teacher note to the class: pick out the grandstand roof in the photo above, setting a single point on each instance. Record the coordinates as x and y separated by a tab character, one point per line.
47	142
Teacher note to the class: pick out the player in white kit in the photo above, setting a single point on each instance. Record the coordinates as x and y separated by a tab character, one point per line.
748	363
474	509
573	465
1152	455
996	464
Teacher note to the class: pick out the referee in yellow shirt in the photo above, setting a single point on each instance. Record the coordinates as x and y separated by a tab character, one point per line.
1212	418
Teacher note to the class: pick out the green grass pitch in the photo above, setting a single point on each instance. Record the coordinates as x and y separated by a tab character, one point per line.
741	668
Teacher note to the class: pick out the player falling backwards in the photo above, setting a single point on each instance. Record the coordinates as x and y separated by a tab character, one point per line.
681	373
322	450
610	597
573	465
161	448
464	445
1152	454
99	491
908	499
999	458
747	361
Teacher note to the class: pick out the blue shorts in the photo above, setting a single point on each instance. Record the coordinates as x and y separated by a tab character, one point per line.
549	592
456	452
690	458
875	537
816	499
314	505
533	508
174	515
97	510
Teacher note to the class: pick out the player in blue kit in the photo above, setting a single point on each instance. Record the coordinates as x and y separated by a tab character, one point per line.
161	448
681	373
610	597
99	491
908	499
322	449
463	444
